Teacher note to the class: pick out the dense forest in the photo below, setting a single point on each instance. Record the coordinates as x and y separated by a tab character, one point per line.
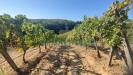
58	25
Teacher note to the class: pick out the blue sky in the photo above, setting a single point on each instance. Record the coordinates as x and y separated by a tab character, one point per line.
56	9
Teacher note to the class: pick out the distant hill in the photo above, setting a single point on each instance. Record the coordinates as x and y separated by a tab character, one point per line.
58	25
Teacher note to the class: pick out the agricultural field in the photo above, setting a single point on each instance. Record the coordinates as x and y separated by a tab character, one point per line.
98	45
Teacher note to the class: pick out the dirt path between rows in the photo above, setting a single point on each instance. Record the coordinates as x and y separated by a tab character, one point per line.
76	60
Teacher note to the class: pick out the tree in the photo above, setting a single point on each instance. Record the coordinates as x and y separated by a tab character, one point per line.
116	18
89	29
19	21
5	31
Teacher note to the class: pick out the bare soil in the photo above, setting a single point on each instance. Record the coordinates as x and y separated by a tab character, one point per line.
67	60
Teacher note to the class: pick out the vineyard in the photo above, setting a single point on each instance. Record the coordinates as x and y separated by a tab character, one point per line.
96	46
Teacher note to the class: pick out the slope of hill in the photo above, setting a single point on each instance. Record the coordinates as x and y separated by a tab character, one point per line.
58	25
